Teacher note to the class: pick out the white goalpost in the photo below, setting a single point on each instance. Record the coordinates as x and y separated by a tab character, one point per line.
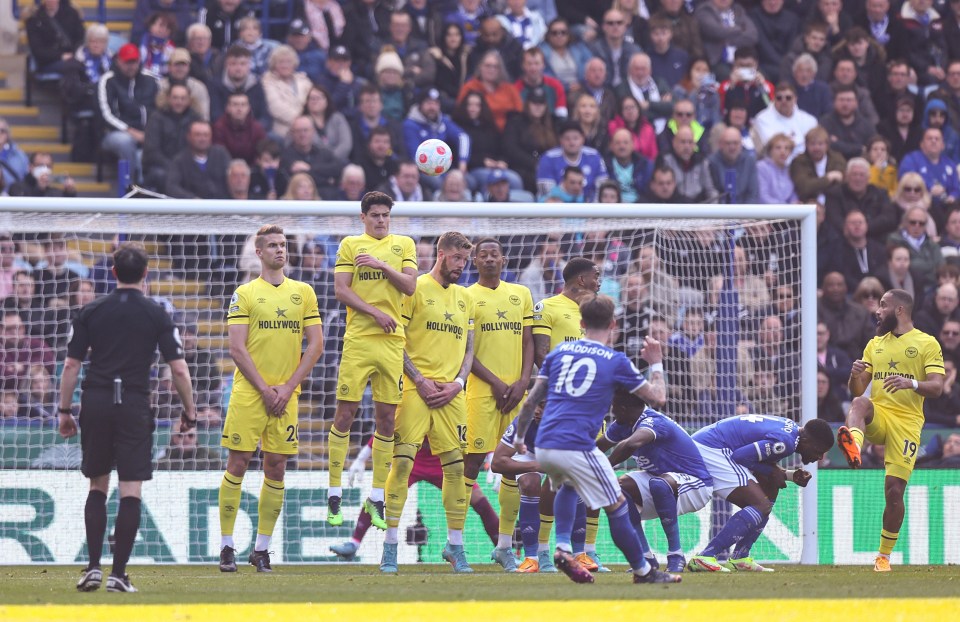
724	285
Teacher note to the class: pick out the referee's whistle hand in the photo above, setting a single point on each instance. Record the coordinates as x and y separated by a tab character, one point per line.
68	426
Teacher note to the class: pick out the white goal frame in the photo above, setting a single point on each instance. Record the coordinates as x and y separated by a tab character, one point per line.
264	210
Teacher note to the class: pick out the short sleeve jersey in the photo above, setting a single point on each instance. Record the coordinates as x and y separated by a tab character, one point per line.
581	378
121	332
672	450
501	316
370	284
276	316
438	320
529	439
557	317
752	439
911	355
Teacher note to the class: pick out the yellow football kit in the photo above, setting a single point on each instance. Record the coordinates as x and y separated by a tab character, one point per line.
898	416
557	317
438	322
276	317
369	353
501	316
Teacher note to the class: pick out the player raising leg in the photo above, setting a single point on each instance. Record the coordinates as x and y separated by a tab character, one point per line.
578	380
267	320
436	360
503	360
900	367
374	271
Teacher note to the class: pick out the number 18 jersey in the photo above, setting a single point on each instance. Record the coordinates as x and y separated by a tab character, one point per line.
581	379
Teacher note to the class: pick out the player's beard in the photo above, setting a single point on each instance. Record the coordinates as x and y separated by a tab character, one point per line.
886	324
449	276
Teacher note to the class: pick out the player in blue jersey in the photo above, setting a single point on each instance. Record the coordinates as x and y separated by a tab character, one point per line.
672	478
571	152
578	379
741	454
525	469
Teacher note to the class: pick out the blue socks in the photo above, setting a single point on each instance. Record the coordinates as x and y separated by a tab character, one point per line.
746	543
578	538
626	537
565	511
635	520
666	503
740	525
529	521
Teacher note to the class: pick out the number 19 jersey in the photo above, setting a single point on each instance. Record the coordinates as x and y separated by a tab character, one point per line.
581	379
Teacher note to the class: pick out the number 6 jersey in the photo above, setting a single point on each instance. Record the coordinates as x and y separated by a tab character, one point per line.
582	377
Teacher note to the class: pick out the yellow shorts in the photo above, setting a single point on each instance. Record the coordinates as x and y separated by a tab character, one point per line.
376	358
900	438
445	428
485	424
248	423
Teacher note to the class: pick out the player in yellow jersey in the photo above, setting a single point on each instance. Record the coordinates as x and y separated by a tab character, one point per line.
436	360
900	367
267	321
373	273
556	320
503	360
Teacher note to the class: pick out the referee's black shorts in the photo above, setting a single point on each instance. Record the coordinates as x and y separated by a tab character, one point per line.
118	435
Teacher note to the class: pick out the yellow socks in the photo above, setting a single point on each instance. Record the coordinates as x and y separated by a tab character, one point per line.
455	490
397	483
382	457
271	502
338	442
857	435
546	526
509	499
888	540
229	502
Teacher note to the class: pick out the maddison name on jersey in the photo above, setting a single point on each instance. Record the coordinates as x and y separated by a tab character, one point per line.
580	348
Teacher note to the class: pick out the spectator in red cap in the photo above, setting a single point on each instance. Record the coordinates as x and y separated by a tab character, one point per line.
126	96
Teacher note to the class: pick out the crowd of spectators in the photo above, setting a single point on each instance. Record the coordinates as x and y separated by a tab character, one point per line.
853	106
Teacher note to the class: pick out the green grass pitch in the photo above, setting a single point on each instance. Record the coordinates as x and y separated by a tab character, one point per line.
32	585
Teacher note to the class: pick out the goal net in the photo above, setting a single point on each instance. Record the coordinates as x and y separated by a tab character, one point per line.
728	290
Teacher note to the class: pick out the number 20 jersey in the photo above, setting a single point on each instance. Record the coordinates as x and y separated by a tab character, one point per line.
582	377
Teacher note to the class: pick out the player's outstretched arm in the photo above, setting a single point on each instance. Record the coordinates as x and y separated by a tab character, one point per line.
504	464
244	362
859	378
344	293
628	446
68	384
536	395
654	391
308	359
449	390
180	375
403	280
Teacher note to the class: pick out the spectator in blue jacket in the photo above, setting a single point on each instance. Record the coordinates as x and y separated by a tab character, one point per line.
938	171
734	170
13	161
627	168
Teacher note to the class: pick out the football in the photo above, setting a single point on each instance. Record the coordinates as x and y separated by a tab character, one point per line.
434	157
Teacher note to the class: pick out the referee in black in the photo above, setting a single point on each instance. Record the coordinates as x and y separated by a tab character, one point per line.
120	332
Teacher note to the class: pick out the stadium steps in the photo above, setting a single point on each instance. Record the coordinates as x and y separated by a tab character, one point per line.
226	365
197	303
8	94
216	344
23	133
211	327
15	113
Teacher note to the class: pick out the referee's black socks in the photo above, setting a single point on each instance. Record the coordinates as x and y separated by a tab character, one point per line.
95	520
128	522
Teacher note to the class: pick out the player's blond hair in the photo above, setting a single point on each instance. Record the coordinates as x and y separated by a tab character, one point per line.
264	231
454	241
